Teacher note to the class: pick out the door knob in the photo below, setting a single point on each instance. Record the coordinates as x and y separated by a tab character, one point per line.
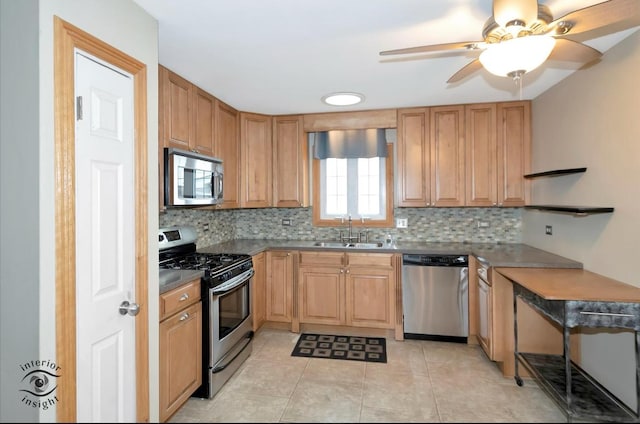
129	308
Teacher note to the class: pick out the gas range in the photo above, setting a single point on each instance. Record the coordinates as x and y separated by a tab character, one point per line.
178	251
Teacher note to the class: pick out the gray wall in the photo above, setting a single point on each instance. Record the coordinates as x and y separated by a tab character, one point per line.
19	227
591	119
27	207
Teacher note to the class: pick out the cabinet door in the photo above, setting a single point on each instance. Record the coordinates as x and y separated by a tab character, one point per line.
514	153
177	102
279	286
370	298
447	156
321	295
481	152
180	358
258	291
255	160
290	162
227	148
204	122
413	157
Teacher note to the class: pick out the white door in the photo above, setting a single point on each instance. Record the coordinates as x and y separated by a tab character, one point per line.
105	242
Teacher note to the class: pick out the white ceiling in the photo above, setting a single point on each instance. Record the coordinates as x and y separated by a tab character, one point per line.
281	56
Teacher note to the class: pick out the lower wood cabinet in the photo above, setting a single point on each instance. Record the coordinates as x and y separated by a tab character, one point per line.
259	291
343	288
180	346
279	287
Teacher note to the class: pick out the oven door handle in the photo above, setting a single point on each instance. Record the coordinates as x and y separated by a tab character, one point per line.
231	284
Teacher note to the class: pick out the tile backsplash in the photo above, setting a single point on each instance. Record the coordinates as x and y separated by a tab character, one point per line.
476	225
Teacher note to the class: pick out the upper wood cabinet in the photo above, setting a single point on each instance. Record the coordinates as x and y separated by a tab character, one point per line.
498	153
447	155
227	148
290	162
414	158
256	188
482	156
187	114
431	156
514	153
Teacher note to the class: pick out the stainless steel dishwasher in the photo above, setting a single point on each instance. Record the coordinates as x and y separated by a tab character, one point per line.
435	297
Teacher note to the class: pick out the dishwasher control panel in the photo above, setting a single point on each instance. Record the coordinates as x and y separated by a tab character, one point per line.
435	260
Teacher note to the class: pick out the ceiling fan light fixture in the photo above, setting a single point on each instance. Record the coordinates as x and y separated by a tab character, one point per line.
343	99
506	12
517	55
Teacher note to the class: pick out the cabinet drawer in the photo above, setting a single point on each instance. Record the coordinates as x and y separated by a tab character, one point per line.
179	298
377	260
321	258
602	314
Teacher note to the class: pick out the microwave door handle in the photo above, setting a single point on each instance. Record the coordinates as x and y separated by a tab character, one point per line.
213	185
220	188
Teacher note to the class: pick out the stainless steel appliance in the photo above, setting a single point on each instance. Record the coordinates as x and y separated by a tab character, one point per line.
191	179
435	297
226	287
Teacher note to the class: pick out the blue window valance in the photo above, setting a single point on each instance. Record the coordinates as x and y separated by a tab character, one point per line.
350	144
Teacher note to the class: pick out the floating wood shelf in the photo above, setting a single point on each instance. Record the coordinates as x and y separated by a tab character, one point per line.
575	210
555	173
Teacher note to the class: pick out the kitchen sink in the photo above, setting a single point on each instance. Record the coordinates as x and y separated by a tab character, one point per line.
351	245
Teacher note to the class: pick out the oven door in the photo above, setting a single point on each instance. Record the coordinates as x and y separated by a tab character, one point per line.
230	314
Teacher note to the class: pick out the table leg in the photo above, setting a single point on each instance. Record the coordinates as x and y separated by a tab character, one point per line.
638	373
567	365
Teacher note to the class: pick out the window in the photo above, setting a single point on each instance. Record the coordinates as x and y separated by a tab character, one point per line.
360	187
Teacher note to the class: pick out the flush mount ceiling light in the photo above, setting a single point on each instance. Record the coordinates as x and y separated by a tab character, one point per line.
517	56
343	99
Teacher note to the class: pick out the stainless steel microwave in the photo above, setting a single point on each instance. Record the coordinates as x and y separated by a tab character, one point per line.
191	179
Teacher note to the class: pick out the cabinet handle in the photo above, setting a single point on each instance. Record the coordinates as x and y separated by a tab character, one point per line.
184	297
184	316
341	271
347	271
288	254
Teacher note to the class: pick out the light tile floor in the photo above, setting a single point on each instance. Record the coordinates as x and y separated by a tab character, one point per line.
422	381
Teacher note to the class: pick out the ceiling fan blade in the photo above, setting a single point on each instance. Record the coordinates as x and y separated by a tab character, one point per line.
619	14
465	71
468	45
573	51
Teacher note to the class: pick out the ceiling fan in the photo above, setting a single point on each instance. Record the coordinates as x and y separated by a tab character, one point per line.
522	34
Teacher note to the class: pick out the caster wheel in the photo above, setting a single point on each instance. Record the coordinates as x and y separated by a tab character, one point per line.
519	381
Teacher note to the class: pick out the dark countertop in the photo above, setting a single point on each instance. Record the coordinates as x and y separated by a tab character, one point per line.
172	278
501	254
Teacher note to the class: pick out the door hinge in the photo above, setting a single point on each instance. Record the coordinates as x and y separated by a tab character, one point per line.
79	108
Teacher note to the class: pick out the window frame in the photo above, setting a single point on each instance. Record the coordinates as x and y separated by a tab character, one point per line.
368	223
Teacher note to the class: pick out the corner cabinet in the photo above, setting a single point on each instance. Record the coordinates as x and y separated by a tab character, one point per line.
290	162
180	346
227	148
256	188
573	210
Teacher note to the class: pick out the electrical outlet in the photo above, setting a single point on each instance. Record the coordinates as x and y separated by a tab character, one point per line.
548	230
286	222
205	227
402	223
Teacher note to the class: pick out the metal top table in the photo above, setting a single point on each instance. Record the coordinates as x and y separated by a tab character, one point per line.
576	298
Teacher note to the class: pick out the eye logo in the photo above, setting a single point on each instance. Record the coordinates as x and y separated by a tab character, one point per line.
39	383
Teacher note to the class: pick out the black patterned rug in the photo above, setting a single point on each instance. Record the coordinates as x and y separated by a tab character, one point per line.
369	349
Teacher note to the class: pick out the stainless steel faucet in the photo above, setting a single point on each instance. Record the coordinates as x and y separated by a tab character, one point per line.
350	238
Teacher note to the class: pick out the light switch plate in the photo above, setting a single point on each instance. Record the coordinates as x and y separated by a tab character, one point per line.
402	223
548	230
